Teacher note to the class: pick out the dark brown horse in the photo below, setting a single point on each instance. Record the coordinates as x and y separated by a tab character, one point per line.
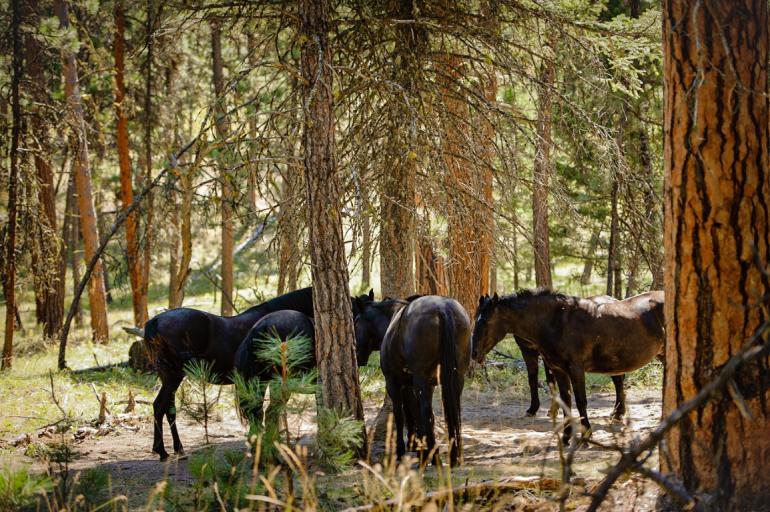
531	356
414	339
179	335
575	335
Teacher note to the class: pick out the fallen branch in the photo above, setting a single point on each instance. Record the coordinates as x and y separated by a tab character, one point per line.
755	348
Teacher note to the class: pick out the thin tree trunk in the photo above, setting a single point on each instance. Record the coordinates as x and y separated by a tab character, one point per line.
226	177
717	243
71	236
126	175
88	225
289	231
146	179
51	274
10	240
176	293
654	214
335	340
543	170
588	264
612	248
366	251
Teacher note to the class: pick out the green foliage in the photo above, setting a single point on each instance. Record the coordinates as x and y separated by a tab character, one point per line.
220	479
198	399
19	487
337	439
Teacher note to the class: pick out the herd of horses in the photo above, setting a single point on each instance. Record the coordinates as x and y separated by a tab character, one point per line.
424	341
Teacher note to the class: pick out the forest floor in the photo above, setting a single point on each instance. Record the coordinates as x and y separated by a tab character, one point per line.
499	441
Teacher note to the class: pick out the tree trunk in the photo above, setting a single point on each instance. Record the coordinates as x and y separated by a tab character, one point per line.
335	339
588	264
226	204
717	243
464	254
176	293
71	236
289	230
366	251
126	175
612	248
397	200
146	179
51	274
10	239
543	169
654	217
88	225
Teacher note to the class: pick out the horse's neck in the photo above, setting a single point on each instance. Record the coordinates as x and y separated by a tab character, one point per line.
527	319
387	319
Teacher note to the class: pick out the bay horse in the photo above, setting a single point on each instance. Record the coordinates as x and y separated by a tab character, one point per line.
575	335
176	336
415	338
531	356
285	325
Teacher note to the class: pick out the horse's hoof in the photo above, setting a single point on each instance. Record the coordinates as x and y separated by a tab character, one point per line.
616	418
530	414
163	457
179	451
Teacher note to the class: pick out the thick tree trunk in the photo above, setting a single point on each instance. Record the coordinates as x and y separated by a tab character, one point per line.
226	177
543	169
88	224
463	266
717	243
335	340
126	175
9	271
50	277
397	199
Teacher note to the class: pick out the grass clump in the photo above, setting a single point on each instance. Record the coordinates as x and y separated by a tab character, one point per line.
20	488
337	439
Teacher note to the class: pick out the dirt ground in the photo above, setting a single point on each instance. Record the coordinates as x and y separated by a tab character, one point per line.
498	439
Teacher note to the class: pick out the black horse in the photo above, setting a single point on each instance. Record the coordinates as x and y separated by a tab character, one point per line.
414	339
285	324
531	356
177	336
575	335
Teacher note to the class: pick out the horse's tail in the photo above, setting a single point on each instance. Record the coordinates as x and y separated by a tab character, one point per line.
451	385
153	343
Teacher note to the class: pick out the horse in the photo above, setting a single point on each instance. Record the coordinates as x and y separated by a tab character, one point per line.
414	339
531	356
285	325
575	335
179	335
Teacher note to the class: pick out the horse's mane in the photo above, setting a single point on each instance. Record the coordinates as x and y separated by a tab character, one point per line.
302	298
533	294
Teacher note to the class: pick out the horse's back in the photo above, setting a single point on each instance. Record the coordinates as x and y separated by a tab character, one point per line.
416	335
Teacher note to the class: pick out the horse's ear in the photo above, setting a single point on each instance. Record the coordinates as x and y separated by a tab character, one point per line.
495	298
482	299
371	294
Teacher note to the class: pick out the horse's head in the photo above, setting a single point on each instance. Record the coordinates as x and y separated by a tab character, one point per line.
359	303
371	324
488	329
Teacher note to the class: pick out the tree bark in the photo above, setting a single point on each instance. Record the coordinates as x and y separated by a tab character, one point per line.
88	225
335	340
9	271
588	264
289	230
717	244
50	276
612	248
126	175
543	169
146	178
71	236
397	200
226	203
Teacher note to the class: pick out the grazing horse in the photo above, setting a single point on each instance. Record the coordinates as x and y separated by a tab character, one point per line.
575	335
285	325
414	339
180	335
531	356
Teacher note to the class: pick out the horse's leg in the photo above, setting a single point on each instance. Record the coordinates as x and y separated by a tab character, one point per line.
530	359
171	418
425	397
562	382
620	397
396	396
160	408
411	413
578	378
551	382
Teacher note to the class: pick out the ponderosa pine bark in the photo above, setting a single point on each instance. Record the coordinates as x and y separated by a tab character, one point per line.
88	226
226	203
9	271
126	175
397	200
50	276
335	340
717	244
542	171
